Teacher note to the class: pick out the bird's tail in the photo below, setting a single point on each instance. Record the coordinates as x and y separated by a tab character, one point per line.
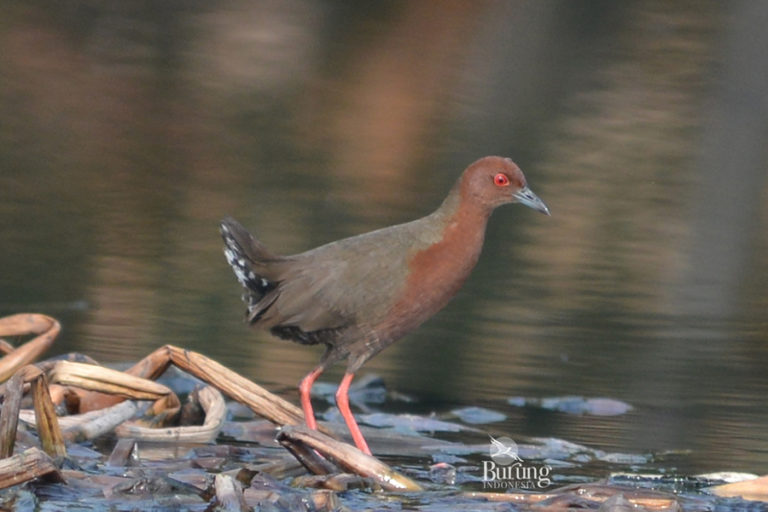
249	260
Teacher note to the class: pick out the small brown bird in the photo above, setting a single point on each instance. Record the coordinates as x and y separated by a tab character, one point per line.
358	295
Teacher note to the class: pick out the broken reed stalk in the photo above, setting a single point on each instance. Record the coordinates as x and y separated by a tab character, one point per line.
237	387
45	415
349	457
578	494
215	409
47	421
5	347
309	457
9	416
106	380
98	381
82	427
45	327
105	421
234	385
27	465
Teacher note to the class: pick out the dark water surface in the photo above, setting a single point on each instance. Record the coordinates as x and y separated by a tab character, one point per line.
128	130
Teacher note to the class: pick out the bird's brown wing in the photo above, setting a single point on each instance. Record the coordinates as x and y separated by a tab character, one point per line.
353	281
299	300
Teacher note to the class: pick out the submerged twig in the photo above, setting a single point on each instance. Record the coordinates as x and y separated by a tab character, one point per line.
125	451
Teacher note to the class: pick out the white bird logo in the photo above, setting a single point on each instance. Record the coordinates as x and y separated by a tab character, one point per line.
504	450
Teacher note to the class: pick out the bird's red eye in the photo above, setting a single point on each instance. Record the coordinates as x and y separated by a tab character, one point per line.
501	180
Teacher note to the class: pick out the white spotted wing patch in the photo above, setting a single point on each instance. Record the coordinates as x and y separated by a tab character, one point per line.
255	284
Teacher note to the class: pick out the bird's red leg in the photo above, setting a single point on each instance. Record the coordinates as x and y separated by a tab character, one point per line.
342	402
305	388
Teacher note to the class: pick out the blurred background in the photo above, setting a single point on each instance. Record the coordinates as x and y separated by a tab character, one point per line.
129	129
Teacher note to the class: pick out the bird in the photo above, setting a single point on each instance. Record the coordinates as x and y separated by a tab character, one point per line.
358	295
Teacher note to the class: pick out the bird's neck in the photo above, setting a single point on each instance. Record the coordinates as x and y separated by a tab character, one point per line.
450	241
461	220
459	231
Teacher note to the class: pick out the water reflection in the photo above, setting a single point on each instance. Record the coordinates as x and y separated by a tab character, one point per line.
126	133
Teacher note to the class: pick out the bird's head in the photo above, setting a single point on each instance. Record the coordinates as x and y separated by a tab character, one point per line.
493	181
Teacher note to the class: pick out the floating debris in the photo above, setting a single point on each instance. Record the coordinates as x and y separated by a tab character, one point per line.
447	458
554	448
478	415
406	423
727	477
442	473
623	458
574	405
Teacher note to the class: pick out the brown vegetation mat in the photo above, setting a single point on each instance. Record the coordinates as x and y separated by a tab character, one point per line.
77	402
